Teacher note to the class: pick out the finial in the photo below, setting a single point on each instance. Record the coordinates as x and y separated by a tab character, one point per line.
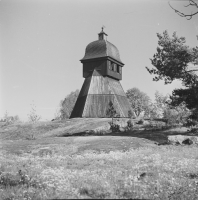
103	27
101	34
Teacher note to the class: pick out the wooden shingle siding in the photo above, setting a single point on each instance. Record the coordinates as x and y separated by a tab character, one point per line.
99	85
97	105
116	87
124	104
95	95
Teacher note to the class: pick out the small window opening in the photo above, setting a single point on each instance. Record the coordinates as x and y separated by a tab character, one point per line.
115	67
112	65
118	68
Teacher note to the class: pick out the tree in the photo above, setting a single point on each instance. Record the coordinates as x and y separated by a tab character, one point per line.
9	119
192	3
176	115
139	101
172	62
112	113
67	104
159	106
33	116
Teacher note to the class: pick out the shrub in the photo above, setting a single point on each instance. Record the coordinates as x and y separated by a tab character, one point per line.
33	116
21	178
114	127
10	119
141	121
112	113
130	124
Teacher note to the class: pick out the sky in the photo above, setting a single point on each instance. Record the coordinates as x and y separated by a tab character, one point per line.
42	42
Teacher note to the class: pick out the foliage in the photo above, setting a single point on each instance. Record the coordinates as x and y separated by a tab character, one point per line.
57	115
112	113
159	106
141	121
172	59
142	173
193	129
187	16
67	104
131	114
114	127
172	62
139	101
33	116
130	125
10	119
191	123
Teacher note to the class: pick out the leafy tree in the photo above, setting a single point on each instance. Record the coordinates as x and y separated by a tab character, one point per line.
176	115
57	115
172	62
159	105
139	101
192	3
67	104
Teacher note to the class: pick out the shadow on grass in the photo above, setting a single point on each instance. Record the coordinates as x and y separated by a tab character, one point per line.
159	135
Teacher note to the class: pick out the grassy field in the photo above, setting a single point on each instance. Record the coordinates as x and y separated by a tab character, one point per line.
57	160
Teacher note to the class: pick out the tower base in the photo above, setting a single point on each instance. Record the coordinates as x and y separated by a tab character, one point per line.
96	93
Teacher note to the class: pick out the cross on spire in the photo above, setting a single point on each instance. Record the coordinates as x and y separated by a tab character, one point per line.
101	34
103	27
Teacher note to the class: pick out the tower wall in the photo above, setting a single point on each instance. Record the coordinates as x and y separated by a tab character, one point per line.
96	93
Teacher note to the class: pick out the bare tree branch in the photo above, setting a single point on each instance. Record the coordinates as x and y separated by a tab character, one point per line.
192	3
192	70
187	16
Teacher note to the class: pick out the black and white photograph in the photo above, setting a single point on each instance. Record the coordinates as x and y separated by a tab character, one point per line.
98	99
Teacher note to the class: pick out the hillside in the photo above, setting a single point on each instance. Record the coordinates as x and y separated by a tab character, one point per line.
81	158
81	134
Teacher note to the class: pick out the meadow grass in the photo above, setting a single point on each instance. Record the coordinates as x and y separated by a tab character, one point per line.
163	172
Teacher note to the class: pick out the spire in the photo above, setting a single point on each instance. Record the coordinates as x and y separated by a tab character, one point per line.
101	34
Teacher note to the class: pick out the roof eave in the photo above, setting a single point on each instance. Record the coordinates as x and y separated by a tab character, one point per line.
99	58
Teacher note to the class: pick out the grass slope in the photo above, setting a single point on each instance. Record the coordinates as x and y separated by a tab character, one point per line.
116	165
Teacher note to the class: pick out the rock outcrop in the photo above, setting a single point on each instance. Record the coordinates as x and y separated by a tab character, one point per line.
182	139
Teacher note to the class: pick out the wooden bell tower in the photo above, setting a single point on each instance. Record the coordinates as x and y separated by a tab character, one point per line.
102	70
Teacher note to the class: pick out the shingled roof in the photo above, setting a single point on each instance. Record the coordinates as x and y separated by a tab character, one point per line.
101	48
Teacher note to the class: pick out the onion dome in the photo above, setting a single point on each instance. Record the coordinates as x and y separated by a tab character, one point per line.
101	48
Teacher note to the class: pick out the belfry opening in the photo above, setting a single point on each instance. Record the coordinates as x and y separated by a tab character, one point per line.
102	70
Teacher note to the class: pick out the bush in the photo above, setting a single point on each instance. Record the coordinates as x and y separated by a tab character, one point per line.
141	121
11	180
190	123
114	127
10	119
130	124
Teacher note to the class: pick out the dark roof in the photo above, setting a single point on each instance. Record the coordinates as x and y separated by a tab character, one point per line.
101	48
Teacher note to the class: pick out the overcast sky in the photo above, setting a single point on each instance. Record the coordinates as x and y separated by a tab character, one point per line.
42	41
